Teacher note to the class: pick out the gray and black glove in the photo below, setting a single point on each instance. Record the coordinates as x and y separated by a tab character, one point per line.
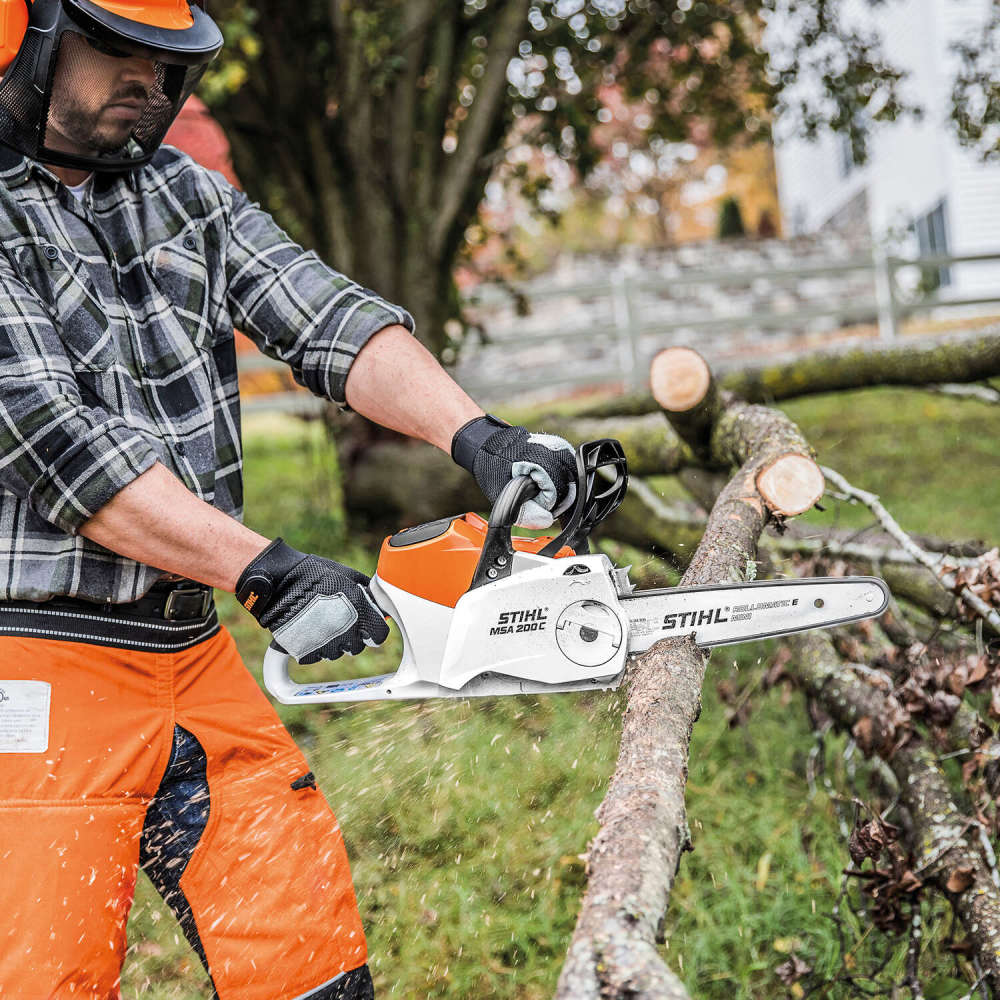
495	453
315	608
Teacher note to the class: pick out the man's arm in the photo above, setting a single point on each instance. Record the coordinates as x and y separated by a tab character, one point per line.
395	381
157	520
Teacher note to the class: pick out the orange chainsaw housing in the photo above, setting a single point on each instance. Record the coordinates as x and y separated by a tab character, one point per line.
439	563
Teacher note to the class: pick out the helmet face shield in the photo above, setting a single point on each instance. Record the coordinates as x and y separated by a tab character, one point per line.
84	93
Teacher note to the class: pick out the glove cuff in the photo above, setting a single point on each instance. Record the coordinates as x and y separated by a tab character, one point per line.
470	437
257	582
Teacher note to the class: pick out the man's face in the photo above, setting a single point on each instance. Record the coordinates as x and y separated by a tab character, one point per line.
97	98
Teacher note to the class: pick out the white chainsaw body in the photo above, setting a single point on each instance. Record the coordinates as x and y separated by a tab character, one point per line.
508	637
557	625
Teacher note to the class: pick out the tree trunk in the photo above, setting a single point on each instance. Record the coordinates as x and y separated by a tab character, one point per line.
358	166
634	858
914	362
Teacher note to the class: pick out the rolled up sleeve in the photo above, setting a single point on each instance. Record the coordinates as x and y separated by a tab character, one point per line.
295	307
65	459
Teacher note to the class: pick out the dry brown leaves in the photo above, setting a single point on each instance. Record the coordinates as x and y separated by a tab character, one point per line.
983	579
890	883
959	880
869	840
934	681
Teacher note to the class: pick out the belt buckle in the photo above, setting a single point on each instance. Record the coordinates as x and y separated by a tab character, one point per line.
171	611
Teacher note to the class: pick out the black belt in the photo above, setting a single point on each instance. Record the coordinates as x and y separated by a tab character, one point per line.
172	615
169	601
173	601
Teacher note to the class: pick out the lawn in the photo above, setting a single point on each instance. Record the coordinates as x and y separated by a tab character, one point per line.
466	821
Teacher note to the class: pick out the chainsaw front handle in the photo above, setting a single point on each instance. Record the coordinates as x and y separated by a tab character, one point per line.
279	682
497	556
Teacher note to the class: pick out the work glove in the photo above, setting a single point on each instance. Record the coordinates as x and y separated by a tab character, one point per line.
315	608
495	453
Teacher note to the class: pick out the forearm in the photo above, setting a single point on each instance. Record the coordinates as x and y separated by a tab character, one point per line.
157	520
396	382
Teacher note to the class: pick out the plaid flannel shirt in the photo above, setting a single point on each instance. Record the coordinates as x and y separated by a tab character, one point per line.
117	351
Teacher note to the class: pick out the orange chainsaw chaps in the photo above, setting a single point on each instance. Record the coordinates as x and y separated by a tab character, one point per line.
440	569
268	883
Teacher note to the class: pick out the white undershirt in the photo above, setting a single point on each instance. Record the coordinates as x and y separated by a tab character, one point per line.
80	189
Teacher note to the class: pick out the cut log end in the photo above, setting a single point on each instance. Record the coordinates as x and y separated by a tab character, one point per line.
791	484
679	378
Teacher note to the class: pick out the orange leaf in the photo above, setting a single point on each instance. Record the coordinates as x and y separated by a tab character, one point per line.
959	880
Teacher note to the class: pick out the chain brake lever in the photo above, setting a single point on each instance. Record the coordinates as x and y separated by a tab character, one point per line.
595	500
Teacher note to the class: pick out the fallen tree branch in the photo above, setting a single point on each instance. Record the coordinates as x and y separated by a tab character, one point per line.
934	562
683	385
925	361
943	841
910	361
724	431
633	860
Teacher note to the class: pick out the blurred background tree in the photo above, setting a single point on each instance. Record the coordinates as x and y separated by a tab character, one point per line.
372	129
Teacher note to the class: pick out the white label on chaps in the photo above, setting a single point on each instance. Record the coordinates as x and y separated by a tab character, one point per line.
24	716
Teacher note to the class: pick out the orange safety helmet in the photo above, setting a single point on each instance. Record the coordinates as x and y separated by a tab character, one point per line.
178	36
13	24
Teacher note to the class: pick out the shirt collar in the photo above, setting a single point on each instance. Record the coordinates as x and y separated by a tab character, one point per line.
16	168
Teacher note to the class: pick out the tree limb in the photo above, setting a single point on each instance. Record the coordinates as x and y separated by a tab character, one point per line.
474	134
643	826
913	361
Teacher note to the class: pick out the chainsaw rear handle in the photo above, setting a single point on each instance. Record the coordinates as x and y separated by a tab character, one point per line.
279	682
276	677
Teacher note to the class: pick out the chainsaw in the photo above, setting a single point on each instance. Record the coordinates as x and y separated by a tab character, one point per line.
484	612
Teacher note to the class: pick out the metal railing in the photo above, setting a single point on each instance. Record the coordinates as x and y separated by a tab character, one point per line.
633	316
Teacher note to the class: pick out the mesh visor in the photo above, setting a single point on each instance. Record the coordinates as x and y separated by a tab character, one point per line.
93	90
109	103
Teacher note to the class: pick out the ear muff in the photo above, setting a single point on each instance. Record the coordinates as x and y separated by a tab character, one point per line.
180	55
13	24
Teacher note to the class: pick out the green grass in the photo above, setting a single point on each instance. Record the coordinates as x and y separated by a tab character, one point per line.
465	821
934	460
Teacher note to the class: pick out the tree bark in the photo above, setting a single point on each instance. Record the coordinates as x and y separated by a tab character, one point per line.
943	842
913	362
633	860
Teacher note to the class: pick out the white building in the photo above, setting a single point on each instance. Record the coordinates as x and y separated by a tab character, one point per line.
919	191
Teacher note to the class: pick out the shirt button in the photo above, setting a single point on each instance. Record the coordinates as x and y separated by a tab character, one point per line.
180	448
50	251
190	243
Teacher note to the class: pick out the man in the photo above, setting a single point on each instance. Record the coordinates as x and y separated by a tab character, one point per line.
129	730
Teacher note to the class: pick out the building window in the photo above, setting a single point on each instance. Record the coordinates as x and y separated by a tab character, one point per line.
931	231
